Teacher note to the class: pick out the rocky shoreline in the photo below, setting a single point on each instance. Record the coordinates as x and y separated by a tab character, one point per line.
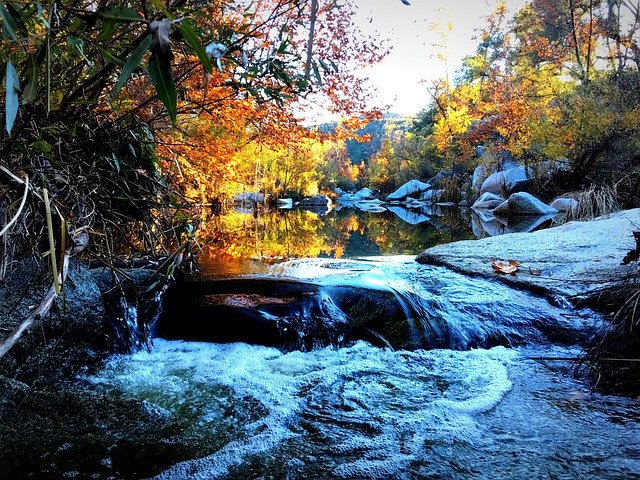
55	426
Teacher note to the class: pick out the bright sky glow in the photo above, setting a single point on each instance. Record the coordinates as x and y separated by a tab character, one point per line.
420	35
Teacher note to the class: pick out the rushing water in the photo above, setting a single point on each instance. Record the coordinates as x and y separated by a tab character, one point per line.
363	411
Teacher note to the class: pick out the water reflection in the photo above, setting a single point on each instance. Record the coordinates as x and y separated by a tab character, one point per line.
276	235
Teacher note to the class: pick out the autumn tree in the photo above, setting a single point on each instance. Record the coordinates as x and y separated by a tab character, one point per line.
547	84
91	89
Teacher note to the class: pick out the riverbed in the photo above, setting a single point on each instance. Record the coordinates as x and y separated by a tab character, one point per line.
499	401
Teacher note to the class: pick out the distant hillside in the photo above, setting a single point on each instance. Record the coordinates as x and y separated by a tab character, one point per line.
376	130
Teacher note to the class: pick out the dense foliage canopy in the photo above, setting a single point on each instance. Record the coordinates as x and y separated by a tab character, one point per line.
126	111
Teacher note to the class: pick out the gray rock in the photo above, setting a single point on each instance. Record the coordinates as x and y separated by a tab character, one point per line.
365	194
518	179
506	182
494	184
284	203
522	203
315	201
249	197
577	258
565	204
412	187
487	201
433	196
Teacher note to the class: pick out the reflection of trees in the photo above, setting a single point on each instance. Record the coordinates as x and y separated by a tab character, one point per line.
273	235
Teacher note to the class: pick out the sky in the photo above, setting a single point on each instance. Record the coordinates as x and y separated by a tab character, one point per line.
415	31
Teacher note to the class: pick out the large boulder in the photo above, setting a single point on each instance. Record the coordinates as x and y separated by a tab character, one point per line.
506	182
352	199
411	188
518	179
433	196
487	201
249	197
365	194
565	204
523	203
315	201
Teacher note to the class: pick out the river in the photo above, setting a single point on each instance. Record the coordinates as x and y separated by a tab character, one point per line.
488	400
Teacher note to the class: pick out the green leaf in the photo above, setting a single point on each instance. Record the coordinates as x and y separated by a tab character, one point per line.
132	63
12	87
190	36
78	44
108	28
120	14
114	162
162	79
44	21
43	147
8	23
325	67
316	72
30	92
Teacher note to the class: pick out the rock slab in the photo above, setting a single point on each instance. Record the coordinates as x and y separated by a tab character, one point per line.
574	259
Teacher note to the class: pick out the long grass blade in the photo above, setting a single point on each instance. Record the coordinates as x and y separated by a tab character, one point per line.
52	243
17	215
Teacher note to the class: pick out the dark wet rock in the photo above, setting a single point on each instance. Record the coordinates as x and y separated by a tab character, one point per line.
315	201
70	432
54	427
294	315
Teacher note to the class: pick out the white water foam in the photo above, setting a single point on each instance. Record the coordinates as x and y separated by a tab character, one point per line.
377	408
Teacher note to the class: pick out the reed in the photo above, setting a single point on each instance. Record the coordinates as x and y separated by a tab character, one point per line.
613	357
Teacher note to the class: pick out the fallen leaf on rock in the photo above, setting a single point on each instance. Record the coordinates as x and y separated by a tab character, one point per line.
511	267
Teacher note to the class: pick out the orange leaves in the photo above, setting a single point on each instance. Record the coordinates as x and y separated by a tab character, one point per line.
510	268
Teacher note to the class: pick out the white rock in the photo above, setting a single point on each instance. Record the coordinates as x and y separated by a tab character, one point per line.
522	203
565	204
487	201
412	187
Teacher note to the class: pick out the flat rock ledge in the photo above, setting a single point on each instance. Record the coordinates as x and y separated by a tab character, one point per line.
576	259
